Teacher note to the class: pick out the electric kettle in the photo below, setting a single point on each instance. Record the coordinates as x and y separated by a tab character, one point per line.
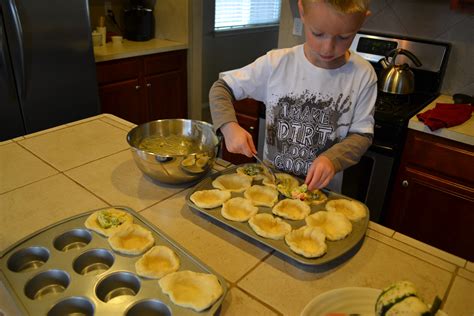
397	79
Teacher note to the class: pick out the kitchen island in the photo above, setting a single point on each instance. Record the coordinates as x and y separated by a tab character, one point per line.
70	169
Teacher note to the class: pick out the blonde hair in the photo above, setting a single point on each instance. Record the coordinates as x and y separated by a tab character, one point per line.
343	6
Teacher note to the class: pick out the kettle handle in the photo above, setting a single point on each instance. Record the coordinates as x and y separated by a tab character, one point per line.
401	51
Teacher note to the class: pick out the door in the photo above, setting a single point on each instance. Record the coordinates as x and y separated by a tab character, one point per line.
52	60
11	120
434	210
124	99
167	97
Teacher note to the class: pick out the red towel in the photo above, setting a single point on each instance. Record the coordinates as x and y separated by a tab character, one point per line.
446	115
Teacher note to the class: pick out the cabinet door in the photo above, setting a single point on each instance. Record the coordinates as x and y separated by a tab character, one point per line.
167	97
250	124
435	211
124	99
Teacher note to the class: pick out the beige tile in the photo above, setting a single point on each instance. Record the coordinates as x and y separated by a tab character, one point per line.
239	303
19	167
117	180
218	167
460	300
88	119
430	249
76	145
27	209
116	123
289	288
119	120
412	251
5	142
381	229
228	254
466	274
470	266
45	131
223	163
426	19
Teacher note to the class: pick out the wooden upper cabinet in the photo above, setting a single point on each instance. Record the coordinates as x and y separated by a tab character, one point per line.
146	88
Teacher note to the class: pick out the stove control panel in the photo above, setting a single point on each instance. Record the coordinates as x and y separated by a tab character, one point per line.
374	47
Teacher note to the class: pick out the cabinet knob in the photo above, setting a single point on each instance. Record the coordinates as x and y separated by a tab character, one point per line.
251	128
404	183
148	85
137	87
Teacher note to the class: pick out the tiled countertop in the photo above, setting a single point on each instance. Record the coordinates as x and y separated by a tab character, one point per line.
463	133
77	167
132	49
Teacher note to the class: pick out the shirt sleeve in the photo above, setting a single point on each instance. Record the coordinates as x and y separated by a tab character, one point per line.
349	151
221	105
250	81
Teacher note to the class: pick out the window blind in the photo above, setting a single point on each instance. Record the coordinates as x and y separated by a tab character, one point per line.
232	14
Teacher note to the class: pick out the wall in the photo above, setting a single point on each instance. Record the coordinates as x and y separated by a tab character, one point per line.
416	18
226	52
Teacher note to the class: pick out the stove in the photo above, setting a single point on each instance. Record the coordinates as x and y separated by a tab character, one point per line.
370	181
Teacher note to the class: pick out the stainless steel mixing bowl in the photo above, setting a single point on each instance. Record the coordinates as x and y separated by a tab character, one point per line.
184	166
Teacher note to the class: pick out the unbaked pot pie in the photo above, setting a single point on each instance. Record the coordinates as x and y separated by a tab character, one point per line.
132	240
302	193
292	209
210	198
262	195
335	225
268	226
157	262
108	221
189	289
286	184
353	210
253	170
307	241
238	209
234	182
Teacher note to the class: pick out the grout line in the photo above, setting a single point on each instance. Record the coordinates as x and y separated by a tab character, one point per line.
82	186
450	285
255	266
260	301
417	257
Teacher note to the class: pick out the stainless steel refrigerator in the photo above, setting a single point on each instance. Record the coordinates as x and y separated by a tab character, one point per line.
47	68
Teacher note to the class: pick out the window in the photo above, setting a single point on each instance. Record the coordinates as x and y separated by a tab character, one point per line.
244	14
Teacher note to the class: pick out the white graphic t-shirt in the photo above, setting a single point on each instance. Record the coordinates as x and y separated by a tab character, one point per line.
308	109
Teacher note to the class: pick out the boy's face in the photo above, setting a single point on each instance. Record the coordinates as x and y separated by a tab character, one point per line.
329	33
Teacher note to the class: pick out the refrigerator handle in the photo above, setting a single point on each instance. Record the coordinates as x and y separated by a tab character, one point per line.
19	35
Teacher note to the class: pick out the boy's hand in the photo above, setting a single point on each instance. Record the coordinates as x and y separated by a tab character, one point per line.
320	173
238	140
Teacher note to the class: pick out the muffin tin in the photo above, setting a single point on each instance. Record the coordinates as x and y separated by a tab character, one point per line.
68	269
336	249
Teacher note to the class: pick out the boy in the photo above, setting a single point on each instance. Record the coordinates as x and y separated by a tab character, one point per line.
319	97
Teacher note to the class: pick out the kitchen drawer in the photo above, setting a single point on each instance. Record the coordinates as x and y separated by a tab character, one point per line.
440	156
165	62
118	70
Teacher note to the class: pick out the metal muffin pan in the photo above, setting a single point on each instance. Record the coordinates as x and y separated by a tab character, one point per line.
67	269
336	249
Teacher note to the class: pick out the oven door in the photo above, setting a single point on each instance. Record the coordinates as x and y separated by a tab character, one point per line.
369	181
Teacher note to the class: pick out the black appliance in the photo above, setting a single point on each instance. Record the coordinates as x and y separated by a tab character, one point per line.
371	179
139	22
47	67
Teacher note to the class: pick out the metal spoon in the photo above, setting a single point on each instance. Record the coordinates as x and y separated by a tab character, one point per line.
273	177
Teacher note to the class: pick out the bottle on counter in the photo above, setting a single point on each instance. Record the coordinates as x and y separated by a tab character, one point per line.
102	30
